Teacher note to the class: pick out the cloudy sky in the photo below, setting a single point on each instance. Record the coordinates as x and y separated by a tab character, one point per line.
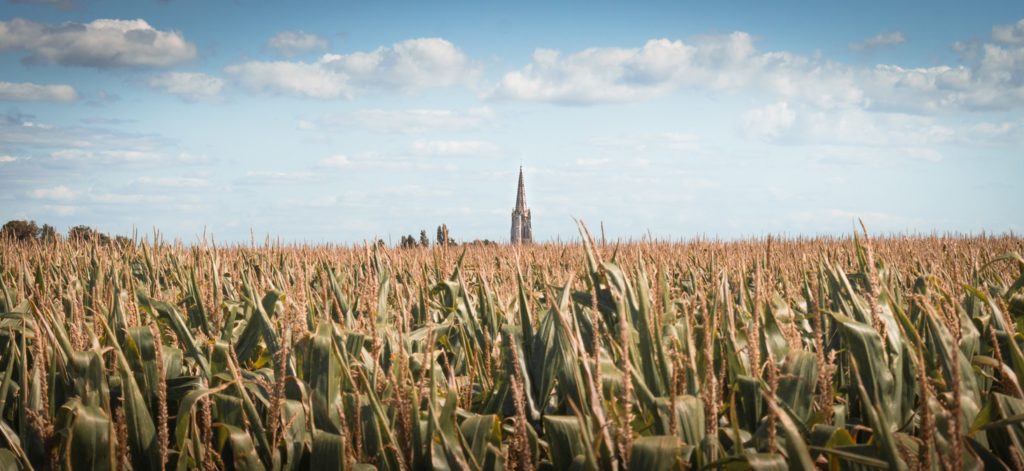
326	122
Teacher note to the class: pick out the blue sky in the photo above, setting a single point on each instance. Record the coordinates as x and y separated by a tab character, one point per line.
328	122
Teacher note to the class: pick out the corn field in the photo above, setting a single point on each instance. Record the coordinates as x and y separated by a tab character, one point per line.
813	353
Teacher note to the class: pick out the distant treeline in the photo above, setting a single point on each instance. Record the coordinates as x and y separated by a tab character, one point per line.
28	231
443	239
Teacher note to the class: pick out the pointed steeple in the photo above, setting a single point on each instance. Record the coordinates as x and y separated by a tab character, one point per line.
521	192
522	230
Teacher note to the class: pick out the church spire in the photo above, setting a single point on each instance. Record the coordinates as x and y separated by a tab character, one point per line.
522	230
521	192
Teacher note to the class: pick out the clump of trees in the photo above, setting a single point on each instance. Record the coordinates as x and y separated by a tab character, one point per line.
482	242
442	240
87	234
408	242
28	231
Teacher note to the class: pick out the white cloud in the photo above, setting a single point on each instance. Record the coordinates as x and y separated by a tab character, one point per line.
609	75
860	127
103	43
408	65
801	79
6	159
78	147
992	77
189	86
769	122
719	63
34	92
292	43
894	38
311	80
921	79
454	148
1009	34
850	134
59	192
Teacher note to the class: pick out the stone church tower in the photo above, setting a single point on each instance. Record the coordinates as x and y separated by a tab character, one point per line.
522	232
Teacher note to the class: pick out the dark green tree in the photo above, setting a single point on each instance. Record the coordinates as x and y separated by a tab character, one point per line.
81	233
20	230
87	234
48	234
408	242
424	240
442	235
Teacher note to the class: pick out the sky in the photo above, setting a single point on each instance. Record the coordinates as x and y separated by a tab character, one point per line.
346	122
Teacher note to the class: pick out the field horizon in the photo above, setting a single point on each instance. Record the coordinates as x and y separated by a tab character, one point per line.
202	239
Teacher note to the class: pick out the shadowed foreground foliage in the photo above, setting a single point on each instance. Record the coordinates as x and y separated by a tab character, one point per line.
766	354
